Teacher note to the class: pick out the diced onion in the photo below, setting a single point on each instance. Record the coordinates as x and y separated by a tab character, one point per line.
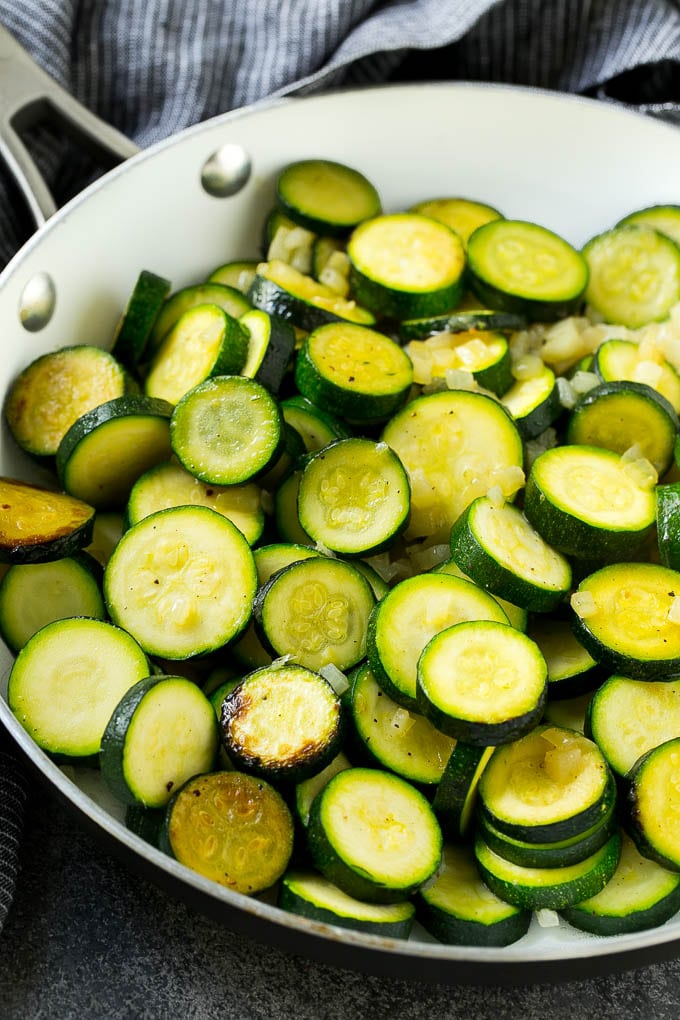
547	918
674	610
583	603
335	677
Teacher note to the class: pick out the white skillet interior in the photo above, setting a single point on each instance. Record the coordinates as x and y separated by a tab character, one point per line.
573	165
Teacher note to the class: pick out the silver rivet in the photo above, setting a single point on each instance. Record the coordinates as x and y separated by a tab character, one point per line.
226	171
37	302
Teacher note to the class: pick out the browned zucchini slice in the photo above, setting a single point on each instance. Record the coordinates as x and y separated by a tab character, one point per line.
37	525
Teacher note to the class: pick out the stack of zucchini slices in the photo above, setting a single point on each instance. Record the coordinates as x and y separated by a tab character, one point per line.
353	595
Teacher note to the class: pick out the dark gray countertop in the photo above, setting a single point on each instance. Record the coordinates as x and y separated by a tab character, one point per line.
87	938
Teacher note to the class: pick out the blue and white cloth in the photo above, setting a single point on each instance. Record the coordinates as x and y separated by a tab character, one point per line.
153	67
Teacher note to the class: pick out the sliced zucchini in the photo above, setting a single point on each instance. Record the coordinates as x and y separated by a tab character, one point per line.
534	403
108	527
548	888
308	789
162	732
549	785
668	524
238	274
459	909
521	267
462	215
640	895
354	496
312	896
571	668
326	197
227	430
634	275
137	321
653	804
567	713
618	415
317	611
616	360
374	835
626	718
169	484
317	427
461	321
229	299
68	678
232	828
284	291
623	616
405	620
38	525
182	581
482	682
517	616
281	722
486	356
55	390
106	450
204	342
456	795
403	742
34	594
405	266
590	503
497	547
664	218
353	372
288	524
271	345
455	446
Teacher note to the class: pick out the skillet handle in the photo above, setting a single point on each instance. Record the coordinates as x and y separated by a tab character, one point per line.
27	95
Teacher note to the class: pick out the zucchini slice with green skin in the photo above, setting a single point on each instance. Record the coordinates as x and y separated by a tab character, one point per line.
571	668
34	594
107	449
485	356
286	518
282	723
214	816
312	896
403	742
589	503
55	390
238	274
634	275
353	372
283	291
316	610
534	403
326	197
38	525
567	713
308	789
622	615
548	786
318	428
137	321
521	267
497	547
405	266
482	682
108	527
182	581
147	823
664	218
548	888
162	732
67	680
640	895
169	484
626	718
271	346
618	415
412	613
517	615
354	496
227	430
462	215
374	835
204	342
459	909
559	854
653	804
668	524
463	321
473	436
456	795
229	299
625	360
